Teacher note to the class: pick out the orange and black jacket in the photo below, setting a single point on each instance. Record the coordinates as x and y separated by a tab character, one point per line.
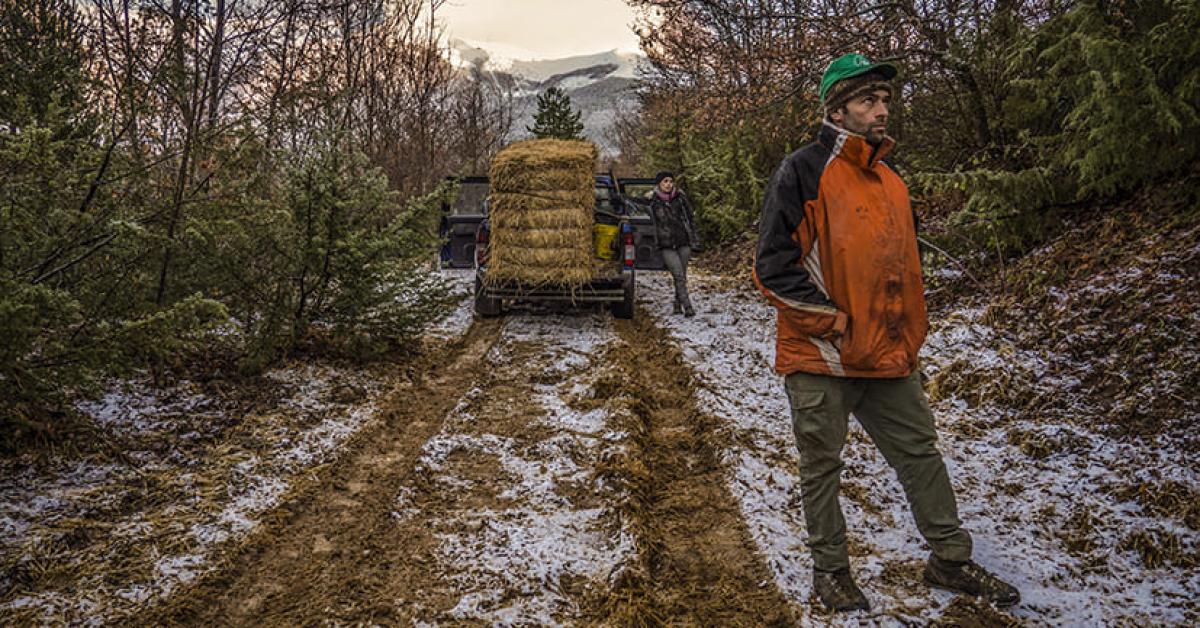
837	255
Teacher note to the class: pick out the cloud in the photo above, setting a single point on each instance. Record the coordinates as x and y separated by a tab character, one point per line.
544	28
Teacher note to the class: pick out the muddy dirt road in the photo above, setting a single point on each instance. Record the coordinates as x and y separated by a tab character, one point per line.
571	469
548	469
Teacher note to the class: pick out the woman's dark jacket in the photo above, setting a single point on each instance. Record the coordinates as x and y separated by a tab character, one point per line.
674	224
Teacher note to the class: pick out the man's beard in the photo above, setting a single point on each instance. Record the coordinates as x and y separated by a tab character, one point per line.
866	131
874	137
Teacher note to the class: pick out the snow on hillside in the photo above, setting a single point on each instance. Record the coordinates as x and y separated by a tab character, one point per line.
525	64
499	57
540	70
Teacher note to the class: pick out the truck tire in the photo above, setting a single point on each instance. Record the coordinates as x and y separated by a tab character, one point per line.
485	306
624	308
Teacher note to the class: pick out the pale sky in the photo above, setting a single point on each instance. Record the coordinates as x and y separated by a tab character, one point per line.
546	29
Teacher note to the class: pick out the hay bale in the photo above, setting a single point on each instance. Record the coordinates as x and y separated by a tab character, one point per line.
532	275
538	238
541	213
544	166
561	258
547	181
541	219
544	200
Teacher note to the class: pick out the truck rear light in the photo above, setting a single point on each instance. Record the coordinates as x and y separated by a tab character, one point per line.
481	245
627	241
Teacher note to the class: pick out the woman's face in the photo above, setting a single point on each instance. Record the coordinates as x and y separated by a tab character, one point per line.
666	185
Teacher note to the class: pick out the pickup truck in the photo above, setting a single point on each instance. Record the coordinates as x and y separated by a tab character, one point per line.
466	230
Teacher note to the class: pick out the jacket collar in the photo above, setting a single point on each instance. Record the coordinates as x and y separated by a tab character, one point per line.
852	146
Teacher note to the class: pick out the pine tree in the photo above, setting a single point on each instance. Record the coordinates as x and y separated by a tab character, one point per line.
555	118
1103	103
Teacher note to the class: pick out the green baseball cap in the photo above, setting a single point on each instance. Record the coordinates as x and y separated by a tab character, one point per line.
850	66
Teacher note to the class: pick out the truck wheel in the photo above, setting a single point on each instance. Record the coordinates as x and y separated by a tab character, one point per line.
624	307
485	306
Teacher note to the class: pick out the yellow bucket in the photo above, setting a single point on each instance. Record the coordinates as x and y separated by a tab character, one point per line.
605	239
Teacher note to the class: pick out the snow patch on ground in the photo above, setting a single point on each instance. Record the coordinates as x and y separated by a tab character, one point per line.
1016	506
128	409
510	563
456	323
223	482
308	428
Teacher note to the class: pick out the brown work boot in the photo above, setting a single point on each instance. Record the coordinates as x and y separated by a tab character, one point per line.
968	577
837	591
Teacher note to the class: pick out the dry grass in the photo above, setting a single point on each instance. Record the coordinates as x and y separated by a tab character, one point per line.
1041	445
1036	445
1114	299
733	259
541	213
1169	499
966	611
1079	532
977	386
1160	548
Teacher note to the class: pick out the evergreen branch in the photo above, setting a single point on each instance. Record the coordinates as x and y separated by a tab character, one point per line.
86	254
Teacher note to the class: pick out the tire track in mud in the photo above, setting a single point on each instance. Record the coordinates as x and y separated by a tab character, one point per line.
505	513
322	554
697	563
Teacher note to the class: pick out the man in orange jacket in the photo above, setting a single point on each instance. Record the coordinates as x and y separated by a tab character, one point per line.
837	256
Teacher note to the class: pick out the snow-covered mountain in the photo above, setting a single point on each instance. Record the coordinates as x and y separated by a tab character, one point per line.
623	65
601	85
518	62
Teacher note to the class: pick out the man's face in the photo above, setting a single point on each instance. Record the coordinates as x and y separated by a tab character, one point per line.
865	114
666	185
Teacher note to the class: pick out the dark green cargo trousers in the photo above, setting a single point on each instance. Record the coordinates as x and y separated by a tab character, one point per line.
897	418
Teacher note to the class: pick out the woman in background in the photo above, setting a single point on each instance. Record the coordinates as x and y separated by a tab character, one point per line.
674	227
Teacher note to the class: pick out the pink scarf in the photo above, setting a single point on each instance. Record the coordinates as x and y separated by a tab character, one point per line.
663	196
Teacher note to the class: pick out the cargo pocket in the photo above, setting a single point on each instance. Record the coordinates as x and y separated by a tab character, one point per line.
807	405
802	400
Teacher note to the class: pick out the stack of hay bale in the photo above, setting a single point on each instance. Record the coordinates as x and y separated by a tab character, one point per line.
541	213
